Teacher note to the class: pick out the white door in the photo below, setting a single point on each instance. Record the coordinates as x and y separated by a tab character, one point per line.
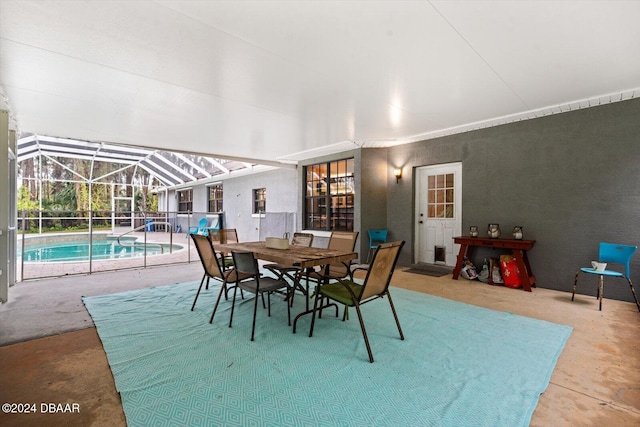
438	213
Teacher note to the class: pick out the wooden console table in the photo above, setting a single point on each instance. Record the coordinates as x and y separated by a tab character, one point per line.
518	247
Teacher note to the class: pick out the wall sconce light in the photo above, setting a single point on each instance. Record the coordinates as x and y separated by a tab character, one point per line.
397	172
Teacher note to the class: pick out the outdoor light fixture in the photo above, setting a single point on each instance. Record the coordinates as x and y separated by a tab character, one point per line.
397	172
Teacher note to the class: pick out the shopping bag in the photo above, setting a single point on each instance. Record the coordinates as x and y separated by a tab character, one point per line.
468	270
510	271
494	269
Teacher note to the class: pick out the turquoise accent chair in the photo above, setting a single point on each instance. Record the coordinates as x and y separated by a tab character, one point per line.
611	254
376	237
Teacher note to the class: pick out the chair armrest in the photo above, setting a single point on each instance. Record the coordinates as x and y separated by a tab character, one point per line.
356	267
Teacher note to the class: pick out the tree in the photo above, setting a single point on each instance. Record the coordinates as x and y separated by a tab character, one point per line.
25	202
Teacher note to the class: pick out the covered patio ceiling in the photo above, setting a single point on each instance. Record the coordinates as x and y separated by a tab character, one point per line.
276	82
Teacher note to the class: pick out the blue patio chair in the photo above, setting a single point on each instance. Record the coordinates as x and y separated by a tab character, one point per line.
201	228
376	237
610	253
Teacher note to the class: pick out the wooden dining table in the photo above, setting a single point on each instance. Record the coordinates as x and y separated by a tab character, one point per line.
296	256
300	257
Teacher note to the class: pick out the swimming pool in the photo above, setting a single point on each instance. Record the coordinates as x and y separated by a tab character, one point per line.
108	248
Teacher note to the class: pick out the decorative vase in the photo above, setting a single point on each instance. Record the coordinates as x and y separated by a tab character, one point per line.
517	232
494	231
473	231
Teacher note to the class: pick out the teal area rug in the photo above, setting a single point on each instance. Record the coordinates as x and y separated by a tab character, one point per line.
459	365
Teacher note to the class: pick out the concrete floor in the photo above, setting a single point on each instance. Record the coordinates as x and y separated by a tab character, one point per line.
596	381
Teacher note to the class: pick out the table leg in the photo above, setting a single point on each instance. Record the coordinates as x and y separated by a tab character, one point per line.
526	277
525	258
309	310
465	251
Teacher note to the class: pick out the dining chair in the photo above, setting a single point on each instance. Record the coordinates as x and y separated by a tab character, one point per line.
339	240
375	286
227	235
214	228
288	272
246	264
610	253
213	268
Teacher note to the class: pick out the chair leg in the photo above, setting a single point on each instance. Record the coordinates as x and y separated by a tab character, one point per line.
575	283
255	311
313	315
233	304
395	315
289	293
198	293
294	283
268	303
371	249
203	276
291	297
215	307
633	291
364	332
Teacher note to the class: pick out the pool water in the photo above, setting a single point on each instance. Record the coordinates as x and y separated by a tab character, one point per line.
72	251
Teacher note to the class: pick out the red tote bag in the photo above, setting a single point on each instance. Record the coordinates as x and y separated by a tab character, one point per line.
510	271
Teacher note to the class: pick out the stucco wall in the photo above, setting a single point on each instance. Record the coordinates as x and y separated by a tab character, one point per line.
372	171
283	190
571	180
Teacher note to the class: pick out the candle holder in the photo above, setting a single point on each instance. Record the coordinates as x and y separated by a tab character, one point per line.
473	231
493	230
517	232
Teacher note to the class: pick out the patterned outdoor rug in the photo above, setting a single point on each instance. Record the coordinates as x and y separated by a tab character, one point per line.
459	364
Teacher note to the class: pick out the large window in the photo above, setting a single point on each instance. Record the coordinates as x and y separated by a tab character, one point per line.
215	198
185	200
330	189
259	200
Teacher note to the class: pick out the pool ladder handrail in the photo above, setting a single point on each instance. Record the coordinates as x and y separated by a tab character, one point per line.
168	224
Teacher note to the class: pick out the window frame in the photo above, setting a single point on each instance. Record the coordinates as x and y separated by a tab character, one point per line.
188	202
329	195
440	196
218	202
259	201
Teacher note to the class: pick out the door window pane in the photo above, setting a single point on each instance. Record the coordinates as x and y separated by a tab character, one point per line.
440	200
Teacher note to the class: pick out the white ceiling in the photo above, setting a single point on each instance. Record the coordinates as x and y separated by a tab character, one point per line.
284	80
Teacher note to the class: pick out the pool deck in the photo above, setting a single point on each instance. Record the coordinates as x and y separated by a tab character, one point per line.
38	270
